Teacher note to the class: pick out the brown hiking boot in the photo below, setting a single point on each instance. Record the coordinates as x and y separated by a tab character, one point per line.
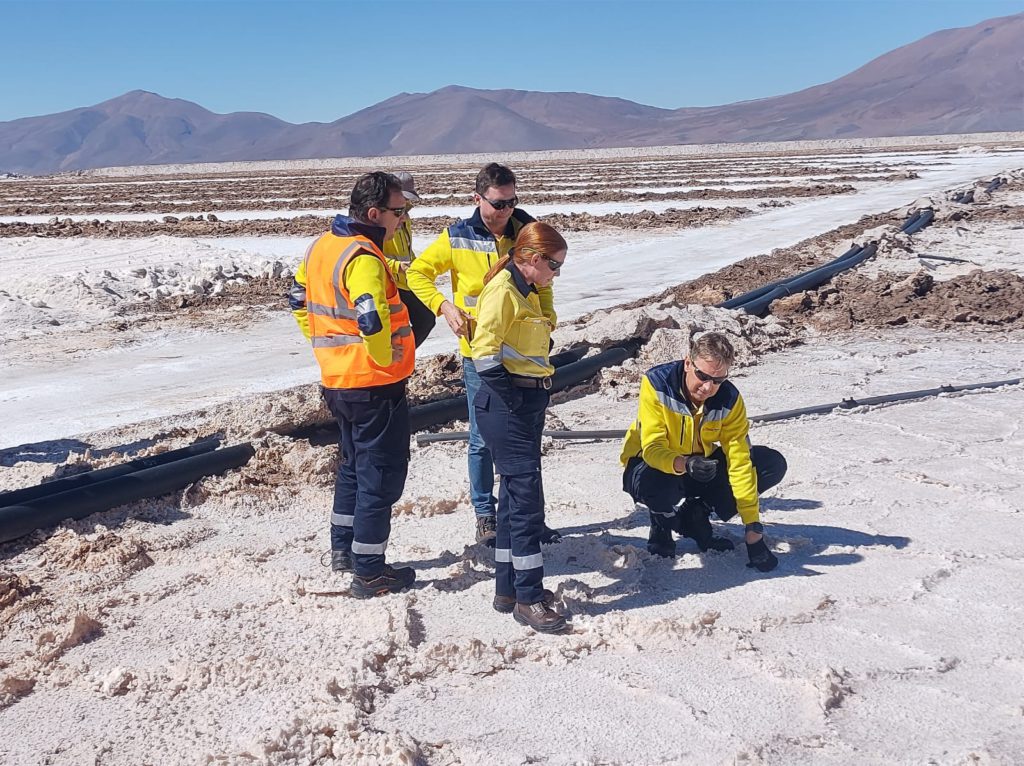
505	604
541	618
486	528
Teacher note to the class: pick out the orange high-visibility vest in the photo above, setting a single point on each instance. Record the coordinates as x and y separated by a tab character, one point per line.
334	331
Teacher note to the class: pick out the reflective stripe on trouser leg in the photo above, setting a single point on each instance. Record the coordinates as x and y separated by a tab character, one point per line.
369	548
532	561
342	520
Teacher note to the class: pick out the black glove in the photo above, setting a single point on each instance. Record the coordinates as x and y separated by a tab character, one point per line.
700	468
760	558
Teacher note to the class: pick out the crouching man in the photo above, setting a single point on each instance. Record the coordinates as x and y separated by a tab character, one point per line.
687	454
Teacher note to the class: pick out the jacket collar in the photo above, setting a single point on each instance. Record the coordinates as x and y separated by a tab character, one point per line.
344	226
520	281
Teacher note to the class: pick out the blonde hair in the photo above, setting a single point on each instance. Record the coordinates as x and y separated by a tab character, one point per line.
536	237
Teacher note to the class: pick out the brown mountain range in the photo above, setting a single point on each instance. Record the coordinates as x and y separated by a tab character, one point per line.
954	81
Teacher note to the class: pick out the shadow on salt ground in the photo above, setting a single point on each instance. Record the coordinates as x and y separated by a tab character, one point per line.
788	504
652	581
56	451
644	580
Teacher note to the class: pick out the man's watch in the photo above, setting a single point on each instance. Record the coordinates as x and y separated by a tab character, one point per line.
755	526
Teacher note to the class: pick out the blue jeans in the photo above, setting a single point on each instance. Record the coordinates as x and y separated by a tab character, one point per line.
481	464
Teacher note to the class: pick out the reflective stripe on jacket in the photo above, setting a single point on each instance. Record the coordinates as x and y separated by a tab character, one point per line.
342	328
512	331
467	249
664	430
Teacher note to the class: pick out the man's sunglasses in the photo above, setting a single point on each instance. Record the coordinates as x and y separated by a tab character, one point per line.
703	377
397	211
501	204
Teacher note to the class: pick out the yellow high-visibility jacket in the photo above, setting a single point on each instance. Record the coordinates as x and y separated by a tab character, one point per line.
398	251
664	430
362	276
468	250
512	332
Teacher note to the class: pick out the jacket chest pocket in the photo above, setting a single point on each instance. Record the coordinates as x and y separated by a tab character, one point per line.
530	337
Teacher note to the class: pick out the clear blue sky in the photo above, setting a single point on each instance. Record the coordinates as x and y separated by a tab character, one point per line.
305	60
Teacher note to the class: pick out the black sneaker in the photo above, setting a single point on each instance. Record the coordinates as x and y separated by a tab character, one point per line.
391	580
341	561
505	604
486	528
549	536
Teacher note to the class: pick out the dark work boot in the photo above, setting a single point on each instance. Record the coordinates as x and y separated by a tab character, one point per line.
391	580
505	604
539	617
659	540
693	521
341	561
549	536
486	528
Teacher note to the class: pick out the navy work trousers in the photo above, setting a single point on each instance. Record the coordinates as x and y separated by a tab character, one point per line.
374	461
662	491
513	437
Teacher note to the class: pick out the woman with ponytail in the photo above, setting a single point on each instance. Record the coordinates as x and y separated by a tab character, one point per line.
510	349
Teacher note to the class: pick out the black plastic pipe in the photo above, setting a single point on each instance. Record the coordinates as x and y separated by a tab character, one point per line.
757	301
994	184
884	399
926	217
739	300
19	520
14	497
771	417
949	258
807	281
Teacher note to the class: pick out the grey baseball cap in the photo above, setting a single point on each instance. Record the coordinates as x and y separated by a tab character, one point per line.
408	186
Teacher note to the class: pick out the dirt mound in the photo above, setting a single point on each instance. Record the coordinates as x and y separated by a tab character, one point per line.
101	551
986	298
13	588
436	377
646	219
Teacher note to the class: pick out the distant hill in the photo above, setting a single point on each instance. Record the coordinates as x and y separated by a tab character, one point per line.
953	81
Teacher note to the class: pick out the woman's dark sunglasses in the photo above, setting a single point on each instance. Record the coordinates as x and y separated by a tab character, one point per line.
501	204
552	263
703	377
